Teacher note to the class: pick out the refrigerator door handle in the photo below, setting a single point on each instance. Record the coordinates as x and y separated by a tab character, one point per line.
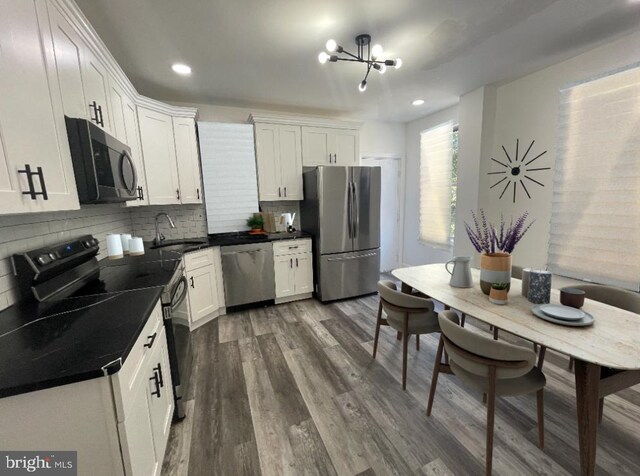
352	257
356	211
349	211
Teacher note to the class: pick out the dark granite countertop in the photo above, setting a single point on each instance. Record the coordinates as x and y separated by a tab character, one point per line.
45	345
226	239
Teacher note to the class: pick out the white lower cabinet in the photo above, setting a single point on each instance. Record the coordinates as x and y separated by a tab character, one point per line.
205	291
293	267
119	424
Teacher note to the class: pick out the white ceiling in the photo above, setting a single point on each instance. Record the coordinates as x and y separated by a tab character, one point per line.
259	53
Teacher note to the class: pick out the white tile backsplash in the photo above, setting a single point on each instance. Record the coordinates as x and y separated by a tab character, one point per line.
190	221
19	233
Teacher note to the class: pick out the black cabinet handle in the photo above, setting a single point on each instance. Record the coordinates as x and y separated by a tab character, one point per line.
158	369
151	338
198	193
100	120
94	106
279	193
32	189
178	193
156	381
285	191
296	262
291	263
192	283
140	193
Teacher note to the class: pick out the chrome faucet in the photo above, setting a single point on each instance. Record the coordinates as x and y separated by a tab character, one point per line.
159	236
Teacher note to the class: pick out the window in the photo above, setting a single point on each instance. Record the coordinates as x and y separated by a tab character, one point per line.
438	181
595	218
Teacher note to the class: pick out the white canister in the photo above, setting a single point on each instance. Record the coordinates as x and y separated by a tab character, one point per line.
136	246
125	237
114	247
525	281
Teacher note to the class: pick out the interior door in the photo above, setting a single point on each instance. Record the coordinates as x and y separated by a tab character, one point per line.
366	207
333	195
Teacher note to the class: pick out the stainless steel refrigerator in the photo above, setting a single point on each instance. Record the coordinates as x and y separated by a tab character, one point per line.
341	208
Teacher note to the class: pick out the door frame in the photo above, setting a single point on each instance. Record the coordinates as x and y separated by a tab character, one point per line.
401	182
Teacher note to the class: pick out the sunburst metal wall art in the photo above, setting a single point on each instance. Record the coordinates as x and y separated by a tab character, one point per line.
519	171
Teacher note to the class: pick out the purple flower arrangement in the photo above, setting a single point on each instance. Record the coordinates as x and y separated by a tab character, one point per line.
486	238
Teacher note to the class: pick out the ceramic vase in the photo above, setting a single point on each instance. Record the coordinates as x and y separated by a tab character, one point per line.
498	296
494	268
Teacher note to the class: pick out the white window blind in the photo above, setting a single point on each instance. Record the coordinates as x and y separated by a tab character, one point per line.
229	174
595	220
436	153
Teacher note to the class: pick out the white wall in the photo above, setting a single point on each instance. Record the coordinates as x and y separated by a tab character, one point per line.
528	109
414	251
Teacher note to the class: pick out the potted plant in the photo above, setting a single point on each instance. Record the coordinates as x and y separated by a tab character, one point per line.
255	222
496	245
498	293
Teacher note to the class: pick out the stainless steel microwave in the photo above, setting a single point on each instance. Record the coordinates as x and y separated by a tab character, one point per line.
102	165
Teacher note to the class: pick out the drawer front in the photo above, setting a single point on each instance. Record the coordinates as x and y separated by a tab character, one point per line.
198	259
127	378
288	247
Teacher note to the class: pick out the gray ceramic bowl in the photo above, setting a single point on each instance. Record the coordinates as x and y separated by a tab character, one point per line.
572	297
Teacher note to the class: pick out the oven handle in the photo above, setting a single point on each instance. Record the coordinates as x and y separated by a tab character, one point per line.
175	303
125	155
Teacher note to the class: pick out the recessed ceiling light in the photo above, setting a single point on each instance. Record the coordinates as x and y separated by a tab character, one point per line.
418	102
181	68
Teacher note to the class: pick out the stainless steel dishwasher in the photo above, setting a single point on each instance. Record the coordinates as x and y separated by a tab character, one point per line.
248	273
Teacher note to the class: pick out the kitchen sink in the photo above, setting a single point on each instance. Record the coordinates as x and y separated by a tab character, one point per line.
178	245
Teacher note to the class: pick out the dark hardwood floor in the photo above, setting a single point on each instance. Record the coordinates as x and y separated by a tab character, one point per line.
292	389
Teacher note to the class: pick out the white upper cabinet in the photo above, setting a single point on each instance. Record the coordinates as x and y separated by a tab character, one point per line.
132	132
159	155
95	80
184	131
329	146
32	128
279	162
117	99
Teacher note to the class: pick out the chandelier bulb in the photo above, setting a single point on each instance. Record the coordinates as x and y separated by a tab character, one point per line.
362	87
377	50
382	68
331	45
323	57
398	63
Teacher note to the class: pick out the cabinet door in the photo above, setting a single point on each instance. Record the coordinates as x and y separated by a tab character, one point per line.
267	161
316	146
96	89
290	162
159	157
284	275
65	51
304	273
346	147
161	400
136	434
32	128
184	131
203	296
117	98
132	132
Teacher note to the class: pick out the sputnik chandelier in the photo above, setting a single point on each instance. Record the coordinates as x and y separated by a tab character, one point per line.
371	58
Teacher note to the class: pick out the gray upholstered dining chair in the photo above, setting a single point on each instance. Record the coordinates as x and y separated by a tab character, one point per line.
493	367
616	297
406	313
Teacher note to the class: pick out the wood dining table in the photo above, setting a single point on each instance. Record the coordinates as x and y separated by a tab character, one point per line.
607	354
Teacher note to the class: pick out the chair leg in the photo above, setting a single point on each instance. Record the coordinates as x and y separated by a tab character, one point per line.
495	333
600	410
491	409
570	363
543	351
399	335
535	347
434	378
405	343
417	341
375	339
463	318
540	405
